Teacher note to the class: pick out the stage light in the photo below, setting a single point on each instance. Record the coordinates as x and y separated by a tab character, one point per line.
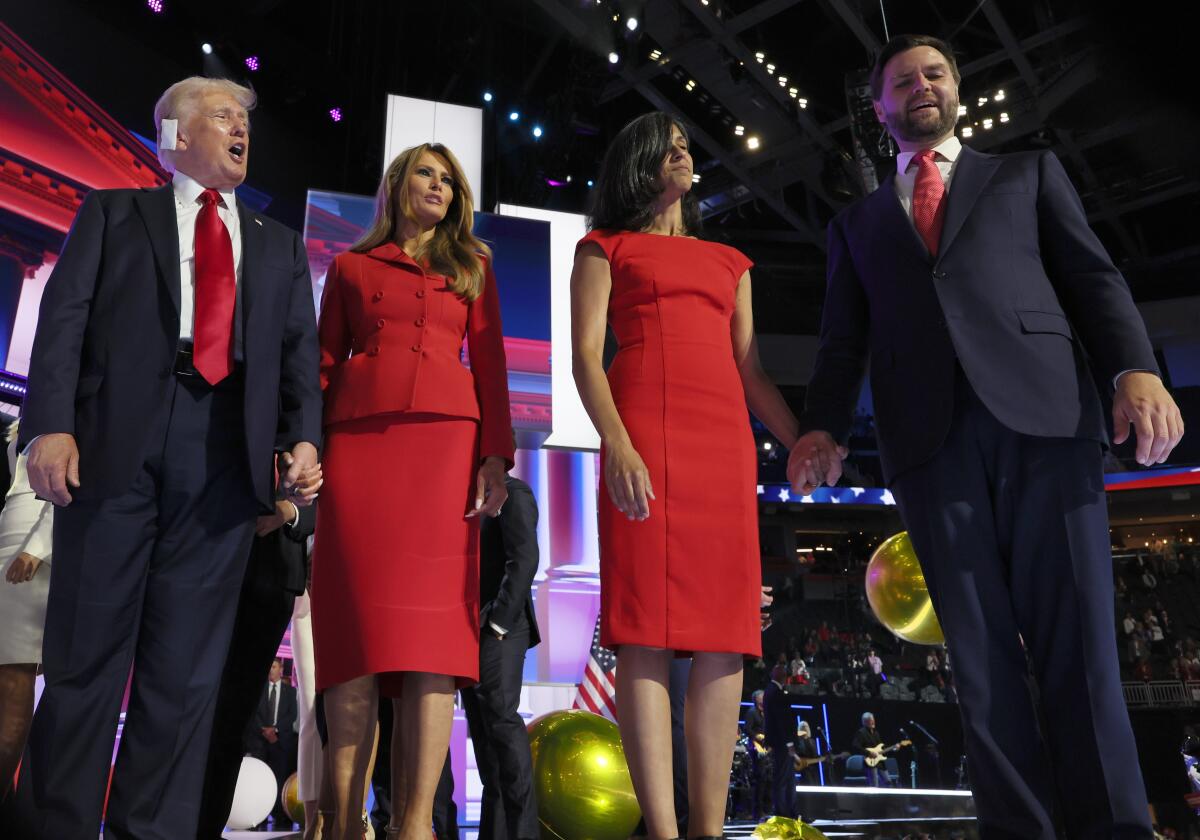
760	57
987	124
155	6
766	446
968	131
752	142
1003	116
962	110
782	81
703	2
613	58
568	179
739	130
771	69
335	114
793	92
206	48
631	24
591	183
982	100
252	63
691	85
999	97
696	178
537	131
487	96
803	102
513	116
655	55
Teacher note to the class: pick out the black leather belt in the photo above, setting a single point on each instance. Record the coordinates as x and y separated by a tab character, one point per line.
186	369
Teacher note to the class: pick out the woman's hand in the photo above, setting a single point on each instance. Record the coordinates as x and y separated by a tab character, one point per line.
22	568
490	489
628	481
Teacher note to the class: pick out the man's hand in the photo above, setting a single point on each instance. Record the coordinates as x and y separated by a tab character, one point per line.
22	568
53	464
285	512
270	734
764	603
301	474
815	459
1142	402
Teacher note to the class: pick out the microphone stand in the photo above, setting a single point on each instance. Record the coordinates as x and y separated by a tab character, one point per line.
934	752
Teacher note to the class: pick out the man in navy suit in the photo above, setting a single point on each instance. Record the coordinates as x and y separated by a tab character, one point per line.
175	355
984	304
780	729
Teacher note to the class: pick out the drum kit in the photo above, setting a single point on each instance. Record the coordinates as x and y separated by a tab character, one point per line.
750	771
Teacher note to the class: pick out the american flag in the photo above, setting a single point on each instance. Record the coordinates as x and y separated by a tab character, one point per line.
598	688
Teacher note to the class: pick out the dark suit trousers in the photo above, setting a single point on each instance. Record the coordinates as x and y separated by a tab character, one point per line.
149	579
508	810
1012	535
783	782
263	612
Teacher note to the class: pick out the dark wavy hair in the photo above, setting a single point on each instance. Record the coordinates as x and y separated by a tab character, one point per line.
904	43
628	184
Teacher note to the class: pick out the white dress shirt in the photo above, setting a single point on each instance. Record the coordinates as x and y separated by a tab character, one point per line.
945	156
187	208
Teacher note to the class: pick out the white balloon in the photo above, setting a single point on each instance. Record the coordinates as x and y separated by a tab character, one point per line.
254	796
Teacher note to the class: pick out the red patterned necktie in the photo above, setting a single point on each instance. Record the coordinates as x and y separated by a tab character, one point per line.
929	200
216	289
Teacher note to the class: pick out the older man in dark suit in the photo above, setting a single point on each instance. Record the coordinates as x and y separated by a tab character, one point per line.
985	304
175	356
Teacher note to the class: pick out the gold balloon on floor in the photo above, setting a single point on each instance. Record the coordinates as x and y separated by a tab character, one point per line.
290	801
582	781
786	828
898	595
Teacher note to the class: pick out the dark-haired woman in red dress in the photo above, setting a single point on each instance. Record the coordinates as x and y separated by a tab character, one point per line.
679	562
416	448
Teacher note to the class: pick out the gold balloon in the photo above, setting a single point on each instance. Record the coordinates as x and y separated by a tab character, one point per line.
786	828
582	781
290	801
898	595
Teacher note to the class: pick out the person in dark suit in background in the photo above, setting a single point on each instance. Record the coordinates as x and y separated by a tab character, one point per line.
176	355
780	732
985	304
508	561
275	576
271	734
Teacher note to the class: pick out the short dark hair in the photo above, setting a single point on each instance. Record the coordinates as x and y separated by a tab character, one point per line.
628	183
903	43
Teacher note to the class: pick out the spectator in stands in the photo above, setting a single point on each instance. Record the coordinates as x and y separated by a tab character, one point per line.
1143	670
1164	620
1149	581
876	665
1129	624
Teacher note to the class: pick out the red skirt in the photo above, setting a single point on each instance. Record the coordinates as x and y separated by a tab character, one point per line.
395	563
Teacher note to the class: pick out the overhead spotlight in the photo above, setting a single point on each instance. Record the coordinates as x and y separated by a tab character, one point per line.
206	48
591	183
782	80
691	84
487	96
982	100
802	102
703	2
739	130
335	114
252	63
752	142
766	446
513	116
999	97
631	24
655	55
793	92
696	178
155	6
771	69
613	58
537	131
987	124
1004	116
760	57
962	110
968	131
568	179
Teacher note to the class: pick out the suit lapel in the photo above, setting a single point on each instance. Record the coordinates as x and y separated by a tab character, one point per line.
252	249
971	175
157	208
895	222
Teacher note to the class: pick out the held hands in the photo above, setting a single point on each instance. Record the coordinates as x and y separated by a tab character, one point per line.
53	464
270	734
22	568
628	481
815	459
490	490
1141	401
767	598
285	512
300	473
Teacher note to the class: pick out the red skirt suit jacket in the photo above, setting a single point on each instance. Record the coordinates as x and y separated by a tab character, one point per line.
391	341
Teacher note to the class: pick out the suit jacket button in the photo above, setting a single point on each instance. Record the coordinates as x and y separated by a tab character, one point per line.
380	323
378	296
373	350
420	322
420	293
416	348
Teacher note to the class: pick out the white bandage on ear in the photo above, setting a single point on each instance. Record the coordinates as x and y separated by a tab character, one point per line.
168	134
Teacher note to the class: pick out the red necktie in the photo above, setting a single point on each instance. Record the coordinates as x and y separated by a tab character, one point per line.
929	200
216	289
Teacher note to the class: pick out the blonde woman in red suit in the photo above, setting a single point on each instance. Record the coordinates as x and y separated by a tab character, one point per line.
416	449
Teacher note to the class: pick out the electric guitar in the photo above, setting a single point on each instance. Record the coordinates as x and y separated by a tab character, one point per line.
803	763
876	754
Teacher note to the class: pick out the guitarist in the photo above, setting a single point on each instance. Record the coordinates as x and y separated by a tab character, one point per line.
869	743
806	748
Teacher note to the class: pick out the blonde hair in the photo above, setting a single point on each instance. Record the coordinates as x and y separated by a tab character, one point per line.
454	250
180	99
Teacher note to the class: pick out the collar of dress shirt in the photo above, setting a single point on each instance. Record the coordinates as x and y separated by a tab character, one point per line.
188	189
948	149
